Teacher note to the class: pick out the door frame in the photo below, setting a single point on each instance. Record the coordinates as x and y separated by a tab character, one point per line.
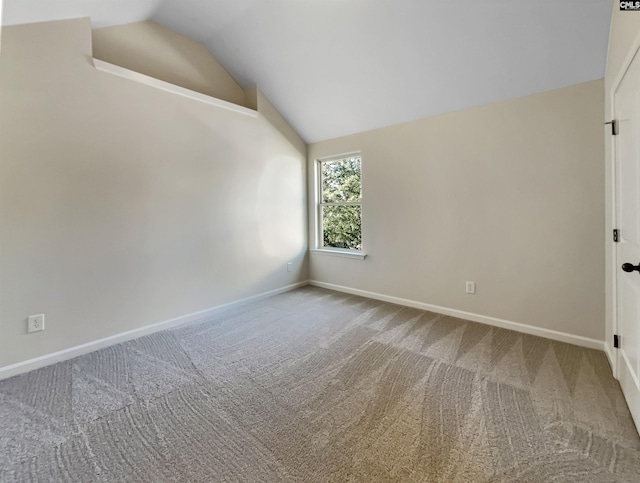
608	343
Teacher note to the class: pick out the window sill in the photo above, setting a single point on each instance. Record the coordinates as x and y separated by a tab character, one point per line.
340	253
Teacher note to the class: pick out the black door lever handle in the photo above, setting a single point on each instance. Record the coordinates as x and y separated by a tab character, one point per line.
628	267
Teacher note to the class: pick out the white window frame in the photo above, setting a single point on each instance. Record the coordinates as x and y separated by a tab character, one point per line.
319	242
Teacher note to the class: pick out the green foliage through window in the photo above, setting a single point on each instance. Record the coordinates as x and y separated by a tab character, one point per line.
341	209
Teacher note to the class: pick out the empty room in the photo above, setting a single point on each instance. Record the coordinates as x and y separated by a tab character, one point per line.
319	241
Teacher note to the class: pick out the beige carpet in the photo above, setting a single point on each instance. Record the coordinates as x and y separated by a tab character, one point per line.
316	386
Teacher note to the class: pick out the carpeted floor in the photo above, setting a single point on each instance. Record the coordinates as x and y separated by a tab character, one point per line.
315	386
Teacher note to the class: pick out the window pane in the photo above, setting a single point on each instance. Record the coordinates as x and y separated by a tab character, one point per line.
341	227
341	180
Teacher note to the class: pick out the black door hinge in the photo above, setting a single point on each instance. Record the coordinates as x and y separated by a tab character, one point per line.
614	127
616	236
616	341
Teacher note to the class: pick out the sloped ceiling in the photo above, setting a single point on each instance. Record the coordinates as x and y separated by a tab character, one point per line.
336	67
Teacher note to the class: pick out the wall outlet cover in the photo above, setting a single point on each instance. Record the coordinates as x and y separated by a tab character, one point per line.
35	323
470	287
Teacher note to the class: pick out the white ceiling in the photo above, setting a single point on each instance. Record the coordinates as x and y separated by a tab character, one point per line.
336	67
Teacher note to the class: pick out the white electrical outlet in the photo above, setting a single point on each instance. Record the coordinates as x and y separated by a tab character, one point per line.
35	323
470	287
289	266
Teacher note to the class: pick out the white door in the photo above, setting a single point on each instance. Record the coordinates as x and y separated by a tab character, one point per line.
627	159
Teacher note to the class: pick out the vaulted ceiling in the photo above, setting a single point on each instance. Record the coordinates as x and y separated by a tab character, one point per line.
336	67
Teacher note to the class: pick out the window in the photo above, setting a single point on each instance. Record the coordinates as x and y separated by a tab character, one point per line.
340	203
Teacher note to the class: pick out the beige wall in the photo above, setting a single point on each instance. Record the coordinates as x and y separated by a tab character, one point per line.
1	11
269	111
624	36
157	51
508	195
122	205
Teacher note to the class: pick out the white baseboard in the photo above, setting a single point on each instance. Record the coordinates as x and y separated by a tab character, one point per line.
71	352
608	350
48	359
483	319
